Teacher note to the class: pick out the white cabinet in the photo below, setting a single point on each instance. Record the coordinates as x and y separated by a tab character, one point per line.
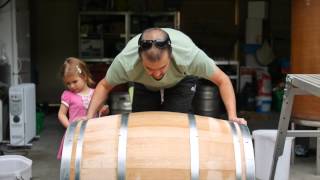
102	35
22	106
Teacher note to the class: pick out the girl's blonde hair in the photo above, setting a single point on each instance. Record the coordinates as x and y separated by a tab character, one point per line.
74	66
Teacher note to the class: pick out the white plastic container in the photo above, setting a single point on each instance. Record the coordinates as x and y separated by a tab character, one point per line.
15	167
264	142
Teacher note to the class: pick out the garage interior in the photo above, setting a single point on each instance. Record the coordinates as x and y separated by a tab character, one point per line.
257	43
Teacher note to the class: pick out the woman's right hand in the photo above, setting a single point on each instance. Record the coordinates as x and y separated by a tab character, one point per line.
104	111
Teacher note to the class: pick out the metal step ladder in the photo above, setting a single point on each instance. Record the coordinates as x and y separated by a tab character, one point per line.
296	84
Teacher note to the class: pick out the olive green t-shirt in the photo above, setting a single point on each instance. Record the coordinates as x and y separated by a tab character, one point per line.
187	60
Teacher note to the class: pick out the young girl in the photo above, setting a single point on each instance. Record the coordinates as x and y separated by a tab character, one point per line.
75	100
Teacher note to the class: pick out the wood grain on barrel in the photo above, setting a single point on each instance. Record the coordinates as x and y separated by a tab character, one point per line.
305	48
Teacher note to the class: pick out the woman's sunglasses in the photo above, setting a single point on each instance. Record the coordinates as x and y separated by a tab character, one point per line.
160	44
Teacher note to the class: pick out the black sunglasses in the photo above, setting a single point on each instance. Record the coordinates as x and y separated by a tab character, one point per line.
161	44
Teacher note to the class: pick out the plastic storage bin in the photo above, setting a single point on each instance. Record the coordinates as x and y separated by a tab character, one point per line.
15	167
264	142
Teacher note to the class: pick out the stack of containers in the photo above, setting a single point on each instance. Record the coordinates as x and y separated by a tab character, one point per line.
264	95
257	12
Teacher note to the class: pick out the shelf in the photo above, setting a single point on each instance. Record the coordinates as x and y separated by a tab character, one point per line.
226	62
93	13
231	68
130	35
103	34
233	77
123	13
105	60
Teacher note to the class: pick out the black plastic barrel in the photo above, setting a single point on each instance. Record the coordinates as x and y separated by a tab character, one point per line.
207	100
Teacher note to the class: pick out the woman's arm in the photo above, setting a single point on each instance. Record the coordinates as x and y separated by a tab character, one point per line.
227	93
100	95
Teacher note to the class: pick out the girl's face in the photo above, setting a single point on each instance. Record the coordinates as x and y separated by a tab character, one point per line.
75	83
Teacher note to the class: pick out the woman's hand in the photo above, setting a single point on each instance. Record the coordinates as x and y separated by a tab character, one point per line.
104	111
238	120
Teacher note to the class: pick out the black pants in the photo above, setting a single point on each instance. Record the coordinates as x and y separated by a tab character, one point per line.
175	99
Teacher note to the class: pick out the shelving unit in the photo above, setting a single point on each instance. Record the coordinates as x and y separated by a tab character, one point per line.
102	35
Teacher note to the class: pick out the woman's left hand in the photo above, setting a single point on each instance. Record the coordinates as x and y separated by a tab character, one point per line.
238	120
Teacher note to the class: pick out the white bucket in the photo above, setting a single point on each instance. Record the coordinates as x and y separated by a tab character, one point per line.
264	142
15	167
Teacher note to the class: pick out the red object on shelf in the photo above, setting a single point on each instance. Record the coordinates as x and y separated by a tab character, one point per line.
264	83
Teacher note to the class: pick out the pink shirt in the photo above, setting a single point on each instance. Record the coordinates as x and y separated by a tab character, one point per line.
77	107
77	103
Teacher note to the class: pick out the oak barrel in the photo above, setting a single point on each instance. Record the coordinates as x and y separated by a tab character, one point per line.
157	146
305	48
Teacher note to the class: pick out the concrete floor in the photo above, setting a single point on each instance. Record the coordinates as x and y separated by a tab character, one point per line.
47	167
